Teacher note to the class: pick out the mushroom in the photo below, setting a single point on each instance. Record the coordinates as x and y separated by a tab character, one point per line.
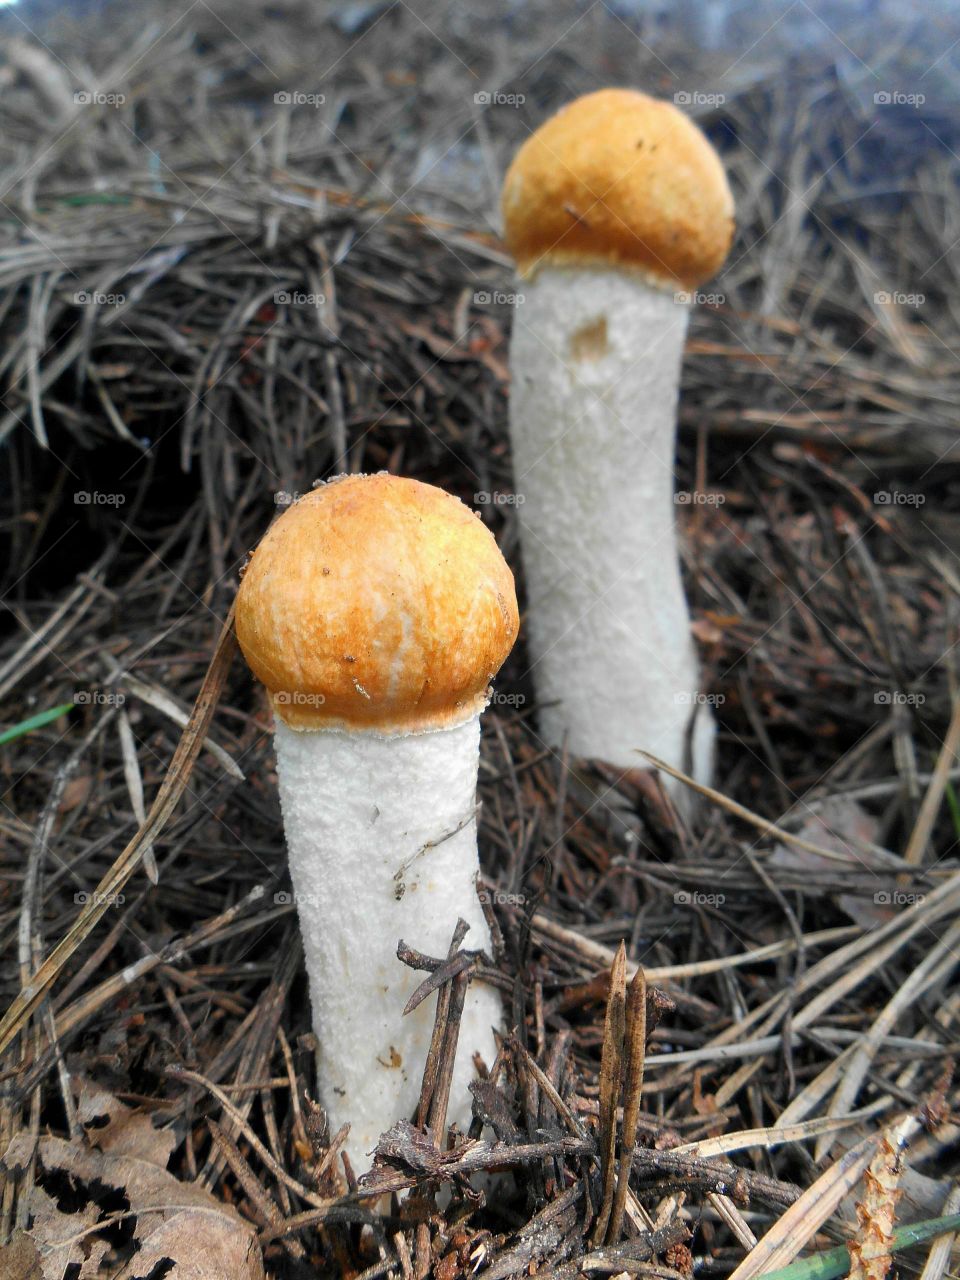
614	210
376	610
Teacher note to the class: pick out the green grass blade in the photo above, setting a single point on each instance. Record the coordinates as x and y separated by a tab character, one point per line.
35	722
954	804
833	1263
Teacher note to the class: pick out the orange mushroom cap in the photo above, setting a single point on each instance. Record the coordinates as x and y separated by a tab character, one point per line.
617	178
377	602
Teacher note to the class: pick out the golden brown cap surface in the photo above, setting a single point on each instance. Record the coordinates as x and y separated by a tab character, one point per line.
377	602
619	179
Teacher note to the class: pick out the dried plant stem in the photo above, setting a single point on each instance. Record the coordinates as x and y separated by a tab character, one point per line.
635	1041
611	1083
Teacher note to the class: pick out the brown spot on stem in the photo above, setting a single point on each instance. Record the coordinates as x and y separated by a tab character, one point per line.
589	342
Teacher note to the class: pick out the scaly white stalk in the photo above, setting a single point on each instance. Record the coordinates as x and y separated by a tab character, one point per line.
382	842
595	360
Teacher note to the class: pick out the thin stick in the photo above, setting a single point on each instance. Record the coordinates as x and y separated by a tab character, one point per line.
930	807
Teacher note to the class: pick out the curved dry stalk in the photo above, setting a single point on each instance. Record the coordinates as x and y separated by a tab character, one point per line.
171	789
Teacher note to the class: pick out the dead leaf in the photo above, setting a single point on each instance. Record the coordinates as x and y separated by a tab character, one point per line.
175	1222
76	792
126	1132
20	1259
62	1239
845	826
704	1104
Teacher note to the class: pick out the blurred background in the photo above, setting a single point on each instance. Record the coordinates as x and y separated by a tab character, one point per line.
248	246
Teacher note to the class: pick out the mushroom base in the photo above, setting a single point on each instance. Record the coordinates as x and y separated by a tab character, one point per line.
382	843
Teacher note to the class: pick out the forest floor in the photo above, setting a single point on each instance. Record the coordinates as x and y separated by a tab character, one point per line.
236	259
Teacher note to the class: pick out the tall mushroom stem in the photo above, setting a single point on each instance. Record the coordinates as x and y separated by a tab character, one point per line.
376	611
408	802
596	357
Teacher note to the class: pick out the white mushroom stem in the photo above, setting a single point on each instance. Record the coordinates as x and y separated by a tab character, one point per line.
382	842
595	360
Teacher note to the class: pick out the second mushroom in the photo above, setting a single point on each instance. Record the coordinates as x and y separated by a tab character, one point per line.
615	210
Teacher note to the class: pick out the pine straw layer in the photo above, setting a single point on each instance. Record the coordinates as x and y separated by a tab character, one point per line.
827	621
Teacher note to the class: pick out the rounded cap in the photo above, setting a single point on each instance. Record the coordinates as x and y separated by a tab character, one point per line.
619	179
379	603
